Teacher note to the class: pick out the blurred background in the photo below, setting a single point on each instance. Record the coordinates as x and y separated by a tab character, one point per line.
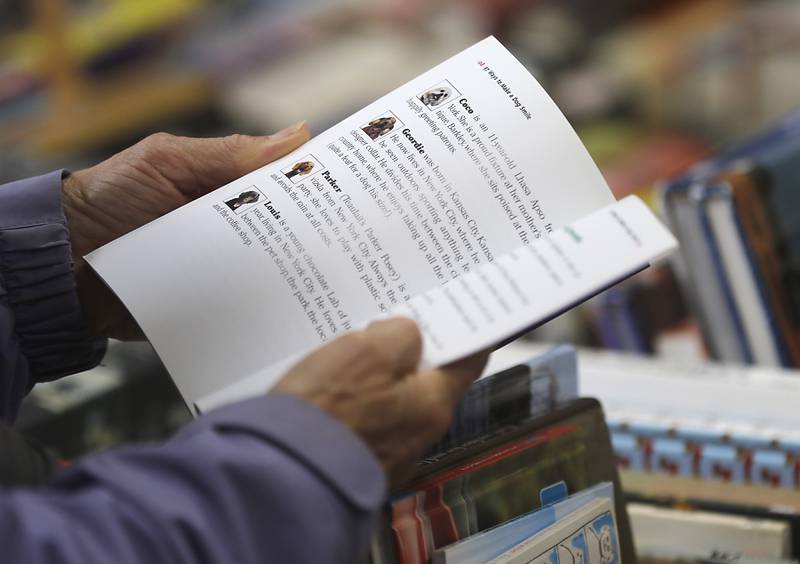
652	87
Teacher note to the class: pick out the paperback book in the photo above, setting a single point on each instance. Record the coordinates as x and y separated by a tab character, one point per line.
463	200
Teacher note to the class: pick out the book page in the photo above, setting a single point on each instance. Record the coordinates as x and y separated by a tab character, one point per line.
515	292
536	282
452	170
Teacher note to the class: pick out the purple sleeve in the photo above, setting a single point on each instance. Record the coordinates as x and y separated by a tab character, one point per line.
270	479
42	333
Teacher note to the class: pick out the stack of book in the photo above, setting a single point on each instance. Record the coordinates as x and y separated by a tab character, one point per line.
737	217
519	392
645	314
720	440
732	293
526	474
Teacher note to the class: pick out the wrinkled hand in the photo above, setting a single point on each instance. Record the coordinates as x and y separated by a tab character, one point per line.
142	183
369	381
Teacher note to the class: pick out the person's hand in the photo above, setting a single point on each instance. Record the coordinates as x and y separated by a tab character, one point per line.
369	380
142	183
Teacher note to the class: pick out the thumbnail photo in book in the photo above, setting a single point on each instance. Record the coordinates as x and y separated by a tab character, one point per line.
302	169
439	95
382	126
243	200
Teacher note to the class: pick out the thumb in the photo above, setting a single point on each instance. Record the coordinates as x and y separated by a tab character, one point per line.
451	382
210	163
432	395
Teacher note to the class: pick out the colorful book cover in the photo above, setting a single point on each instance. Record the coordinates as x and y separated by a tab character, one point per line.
514	395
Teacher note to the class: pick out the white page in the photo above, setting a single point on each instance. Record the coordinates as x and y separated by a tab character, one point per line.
535	282
219	297
518	290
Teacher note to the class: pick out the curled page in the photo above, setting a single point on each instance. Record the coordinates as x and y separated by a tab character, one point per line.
458	167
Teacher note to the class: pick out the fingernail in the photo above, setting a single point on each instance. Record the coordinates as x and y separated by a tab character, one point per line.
290	131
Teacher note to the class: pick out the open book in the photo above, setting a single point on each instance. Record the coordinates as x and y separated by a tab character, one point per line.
463	199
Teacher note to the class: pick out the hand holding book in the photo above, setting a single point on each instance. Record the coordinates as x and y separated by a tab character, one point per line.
370	381
142	183
463	200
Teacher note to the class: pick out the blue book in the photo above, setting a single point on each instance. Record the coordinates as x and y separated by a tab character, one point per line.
772	468
700	196
785	131
489	544
628	450
697	269
618	302
721	462
671	456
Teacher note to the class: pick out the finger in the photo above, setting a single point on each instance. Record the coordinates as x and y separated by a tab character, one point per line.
393	342
431	396
207	164
249	153
446	385
399	340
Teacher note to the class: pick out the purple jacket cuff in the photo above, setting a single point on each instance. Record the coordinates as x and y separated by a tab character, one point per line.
270	479
42	332
308	434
